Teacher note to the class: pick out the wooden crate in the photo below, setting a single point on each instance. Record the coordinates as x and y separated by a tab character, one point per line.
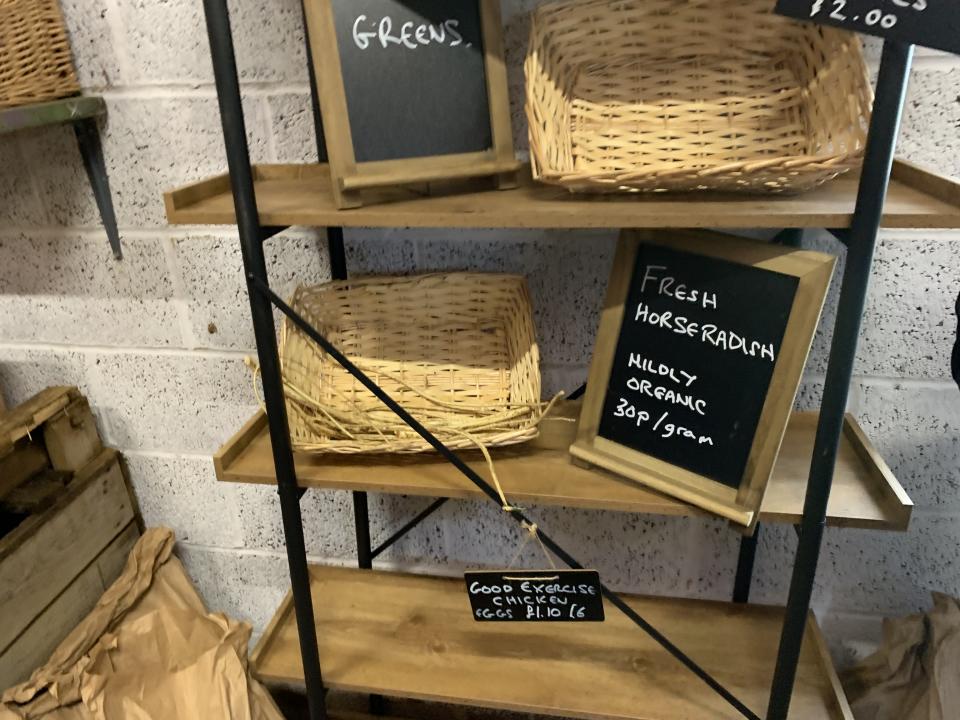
57	563
55	429
67	521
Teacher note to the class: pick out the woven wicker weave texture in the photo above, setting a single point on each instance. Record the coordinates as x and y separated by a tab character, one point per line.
456	350
691	95
35	60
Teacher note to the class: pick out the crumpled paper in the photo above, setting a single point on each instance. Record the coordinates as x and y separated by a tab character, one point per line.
149	650
916	673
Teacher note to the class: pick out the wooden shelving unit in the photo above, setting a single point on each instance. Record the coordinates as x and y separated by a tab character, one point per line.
865	492
414	636
300	195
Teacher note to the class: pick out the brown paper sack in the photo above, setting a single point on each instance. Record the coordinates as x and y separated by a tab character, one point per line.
916	673
149	650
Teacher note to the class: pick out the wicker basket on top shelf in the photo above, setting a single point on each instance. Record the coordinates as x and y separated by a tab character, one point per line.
455	350
655	95
36	64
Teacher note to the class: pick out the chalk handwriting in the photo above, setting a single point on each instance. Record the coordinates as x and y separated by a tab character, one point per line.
663	425
667	285
668	395
660	369
707	333
410	35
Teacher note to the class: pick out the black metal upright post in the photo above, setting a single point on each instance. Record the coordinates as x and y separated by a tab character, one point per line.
314	95
875	179
251	243
745	561
361	520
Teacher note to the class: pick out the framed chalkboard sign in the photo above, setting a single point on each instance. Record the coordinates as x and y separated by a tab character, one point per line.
699	355
411	92
930	23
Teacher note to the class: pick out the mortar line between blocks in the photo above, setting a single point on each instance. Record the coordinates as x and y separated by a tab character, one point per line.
180	297
209	353
857	615
936	63
435	569
903	235
204	90
167	455
904	382
114	20
266	117
936	514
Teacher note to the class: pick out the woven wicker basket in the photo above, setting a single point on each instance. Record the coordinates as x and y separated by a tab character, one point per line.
654	95
456	350
35	60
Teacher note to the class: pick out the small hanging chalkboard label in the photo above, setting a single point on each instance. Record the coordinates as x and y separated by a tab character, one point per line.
930	23
535	596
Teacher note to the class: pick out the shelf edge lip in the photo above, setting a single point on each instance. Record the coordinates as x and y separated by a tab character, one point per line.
838	222
886	489
181	206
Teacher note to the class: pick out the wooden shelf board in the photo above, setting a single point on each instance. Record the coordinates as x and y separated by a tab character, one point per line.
414	637
300	195
865	492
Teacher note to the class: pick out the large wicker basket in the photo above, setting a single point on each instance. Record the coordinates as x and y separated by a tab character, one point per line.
653	95
456	350
35	60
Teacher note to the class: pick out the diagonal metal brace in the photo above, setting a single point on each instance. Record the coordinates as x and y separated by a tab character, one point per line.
490	492
407	527
268	231
841	234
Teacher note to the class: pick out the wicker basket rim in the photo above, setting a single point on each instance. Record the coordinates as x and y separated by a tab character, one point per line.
420	278
582	140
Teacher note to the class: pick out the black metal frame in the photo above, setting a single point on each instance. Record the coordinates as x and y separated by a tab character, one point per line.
861	240
91	151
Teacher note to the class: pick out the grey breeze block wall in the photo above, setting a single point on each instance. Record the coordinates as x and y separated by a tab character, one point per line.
157	341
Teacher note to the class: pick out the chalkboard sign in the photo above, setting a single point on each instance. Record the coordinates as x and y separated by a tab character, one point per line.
414	76
535	596
698	360
695	357
930	23
411	91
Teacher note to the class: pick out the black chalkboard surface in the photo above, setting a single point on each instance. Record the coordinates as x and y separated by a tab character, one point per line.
692	367
414	77
930	23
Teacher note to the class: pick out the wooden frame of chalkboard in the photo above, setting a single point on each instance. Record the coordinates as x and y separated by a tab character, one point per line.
350	175
737	494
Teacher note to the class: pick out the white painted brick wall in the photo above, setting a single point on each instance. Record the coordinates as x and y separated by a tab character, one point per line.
157	341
